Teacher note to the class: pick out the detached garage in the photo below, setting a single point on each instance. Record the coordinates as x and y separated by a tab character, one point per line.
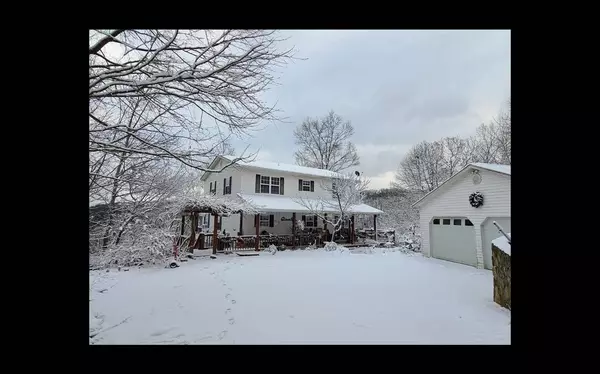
457	217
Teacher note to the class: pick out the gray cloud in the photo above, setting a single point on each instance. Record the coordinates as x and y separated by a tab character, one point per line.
397	87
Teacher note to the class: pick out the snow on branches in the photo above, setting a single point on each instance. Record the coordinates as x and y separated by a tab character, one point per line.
346	191
176	95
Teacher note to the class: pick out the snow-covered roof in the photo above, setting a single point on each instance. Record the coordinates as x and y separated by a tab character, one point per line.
502	243
277	203
497	168
279	166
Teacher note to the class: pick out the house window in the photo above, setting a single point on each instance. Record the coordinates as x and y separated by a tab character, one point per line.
333	190
275	185
457	222
306	186
436	221
227	182
446	221
265	184
310	221
264	220
270	185
468	223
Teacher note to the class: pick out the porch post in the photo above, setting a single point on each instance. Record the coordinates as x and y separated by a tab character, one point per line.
215	235
193	234
352	229
375	225
257	240
294	230
241	223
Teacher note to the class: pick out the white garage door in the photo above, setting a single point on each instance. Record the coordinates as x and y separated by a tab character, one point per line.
489	232
453	239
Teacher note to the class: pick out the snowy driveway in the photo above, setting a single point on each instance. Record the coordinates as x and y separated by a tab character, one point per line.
301	297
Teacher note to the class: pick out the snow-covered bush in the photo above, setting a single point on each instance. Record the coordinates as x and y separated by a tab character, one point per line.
300	224
150	238
409	241
272	249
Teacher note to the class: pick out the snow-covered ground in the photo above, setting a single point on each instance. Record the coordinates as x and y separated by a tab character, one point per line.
299	297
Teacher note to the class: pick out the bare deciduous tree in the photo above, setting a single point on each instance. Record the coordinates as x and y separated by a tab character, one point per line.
455	155
428	164
325	143
503	124
219	75
346	190
423	168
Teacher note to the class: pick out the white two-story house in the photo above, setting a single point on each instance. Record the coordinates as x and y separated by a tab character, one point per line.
274	188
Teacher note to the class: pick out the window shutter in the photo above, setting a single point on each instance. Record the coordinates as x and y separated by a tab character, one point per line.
312	186
281	186
209	217
224	186
254	221
299	184
220	223
271	220
215	190
229	192
303	218
210	191
257	188
316	221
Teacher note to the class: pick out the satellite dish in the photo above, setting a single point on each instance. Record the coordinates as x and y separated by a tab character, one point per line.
357	173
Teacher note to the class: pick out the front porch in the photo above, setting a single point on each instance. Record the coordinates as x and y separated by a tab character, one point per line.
277	221
289	230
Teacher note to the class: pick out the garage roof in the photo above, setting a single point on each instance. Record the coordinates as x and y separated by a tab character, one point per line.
497	168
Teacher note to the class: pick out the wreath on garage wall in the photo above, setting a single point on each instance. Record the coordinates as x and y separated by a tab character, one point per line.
476	199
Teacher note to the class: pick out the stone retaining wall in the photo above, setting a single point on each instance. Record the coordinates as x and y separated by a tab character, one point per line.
501	269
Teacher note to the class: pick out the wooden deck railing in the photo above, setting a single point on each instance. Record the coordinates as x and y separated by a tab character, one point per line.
248	242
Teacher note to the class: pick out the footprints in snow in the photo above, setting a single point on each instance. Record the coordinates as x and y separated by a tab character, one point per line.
162	331
228	297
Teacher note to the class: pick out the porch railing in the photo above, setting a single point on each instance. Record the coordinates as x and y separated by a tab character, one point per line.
248	242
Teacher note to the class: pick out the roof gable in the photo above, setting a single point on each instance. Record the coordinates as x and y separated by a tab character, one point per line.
496	168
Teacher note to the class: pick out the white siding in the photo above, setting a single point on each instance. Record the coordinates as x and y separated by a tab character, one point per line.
453	201
232	171
232	224
291	183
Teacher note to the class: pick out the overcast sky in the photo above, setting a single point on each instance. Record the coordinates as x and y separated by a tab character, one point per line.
396	87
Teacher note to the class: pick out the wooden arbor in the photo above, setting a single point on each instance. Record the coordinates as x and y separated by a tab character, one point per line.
192	211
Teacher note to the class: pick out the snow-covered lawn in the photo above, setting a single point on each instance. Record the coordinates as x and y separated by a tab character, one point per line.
300	297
